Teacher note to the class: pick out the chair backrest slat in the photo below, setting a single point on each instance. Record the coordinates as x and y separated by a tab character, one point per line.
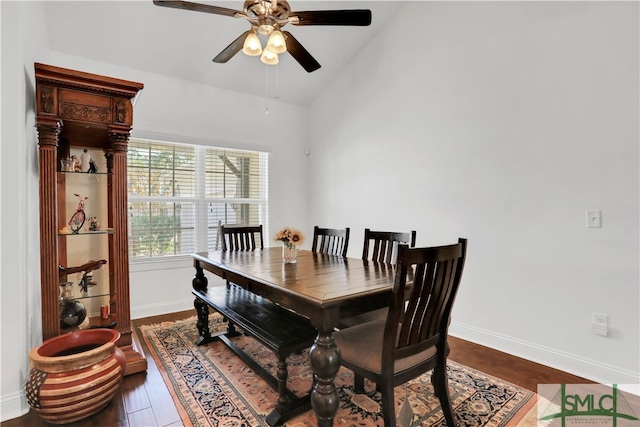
382	246
330	241
241	237
413	324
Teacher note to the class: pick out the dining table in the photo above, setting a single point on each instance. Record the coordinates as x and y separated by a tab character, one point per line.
323	288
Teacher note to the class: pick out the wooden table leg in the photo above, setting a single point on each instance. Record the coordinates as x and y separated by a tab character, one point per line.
324	357
200	283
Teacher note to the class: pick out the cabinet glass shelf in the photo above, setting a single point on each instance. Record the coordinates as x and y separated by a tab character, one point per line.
88	296
86	233
85	174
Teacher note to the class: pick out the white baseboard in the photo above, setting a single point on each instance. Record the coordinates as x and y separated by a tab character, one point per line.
12	406
141	311
586	368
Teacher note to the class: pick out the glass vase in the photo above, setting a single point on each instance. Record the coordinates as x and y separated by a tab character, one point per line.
289	253
72	311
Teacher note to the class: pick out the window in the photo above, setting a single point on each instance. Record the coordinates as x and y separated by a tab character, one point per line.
179	195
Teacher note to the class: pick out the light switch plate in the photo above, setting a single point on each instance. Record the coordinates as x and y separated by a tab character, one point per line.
594	218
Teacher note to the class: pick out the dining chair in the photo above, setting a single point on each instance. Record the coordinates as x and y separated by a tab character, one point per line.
241	237
330	241
380	247
412	340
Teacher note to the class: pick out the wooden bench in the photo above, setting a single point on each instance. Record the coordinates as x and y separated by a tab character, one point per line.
280	330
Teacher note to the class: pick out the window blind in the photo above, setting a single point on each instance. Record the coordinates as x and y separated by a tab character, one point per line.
180	194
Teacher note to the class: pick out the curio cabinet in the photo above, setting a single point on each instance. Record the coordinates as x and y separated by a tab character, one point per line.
83	122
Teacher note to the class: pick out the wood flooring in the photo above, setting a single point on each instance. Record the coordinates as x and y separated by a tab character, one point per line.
145	401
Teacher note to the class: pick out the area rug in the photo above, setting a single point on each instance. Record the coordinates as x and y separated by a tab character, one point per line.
211	386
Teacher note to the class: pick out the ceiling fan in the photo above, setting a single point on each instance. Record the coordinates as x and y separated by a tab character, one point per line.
267	17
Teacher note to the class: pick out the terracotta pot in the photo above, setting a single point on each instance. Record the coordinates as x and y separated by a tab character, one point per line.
75	375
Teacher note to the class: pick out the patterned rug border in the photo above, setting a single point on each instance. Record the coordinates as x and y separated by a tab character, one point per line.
521	414
168	379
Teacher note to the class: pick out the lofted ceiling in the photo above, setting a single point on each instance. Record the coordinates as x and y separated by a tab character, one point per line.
181	44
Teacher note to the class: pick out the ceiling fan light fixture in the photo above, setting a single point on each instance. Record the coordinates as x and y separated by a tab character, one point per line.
276	42
267	17
252	45
265	25
268	57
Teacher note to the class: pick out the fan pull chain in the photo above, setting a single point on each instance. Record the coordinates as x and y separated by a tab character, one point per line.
277	92
266	98
277	88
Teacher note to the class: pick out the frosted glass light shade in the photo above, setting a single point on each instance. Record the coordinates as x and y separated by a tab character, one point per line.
269	58
252	46
276	42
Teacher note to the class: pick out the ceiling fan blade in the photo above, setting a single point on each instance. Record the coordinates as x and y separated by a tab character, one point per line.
356	17
299	53
229	51
198	7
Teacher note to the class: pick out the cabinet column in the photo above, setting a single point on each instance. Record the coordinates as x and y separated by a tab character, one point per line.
119	249
48	133
118	220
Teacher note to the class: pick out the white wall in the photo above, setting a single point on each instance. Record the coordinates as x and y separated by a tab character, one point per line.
503	124
166	109
23	38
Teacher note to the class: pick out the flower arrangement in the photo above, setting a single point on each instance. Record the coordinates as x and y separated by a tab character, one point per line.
290	236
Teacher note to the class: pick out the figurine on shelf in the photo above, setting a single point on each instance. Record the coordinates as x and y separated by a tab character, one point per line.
87	267
93	168
86	282
85	159
94	225
77	219
75	163
66	165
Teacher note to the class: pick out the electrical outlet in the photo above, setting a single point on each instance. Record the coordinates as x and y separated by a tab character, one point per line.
599	324
599	318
